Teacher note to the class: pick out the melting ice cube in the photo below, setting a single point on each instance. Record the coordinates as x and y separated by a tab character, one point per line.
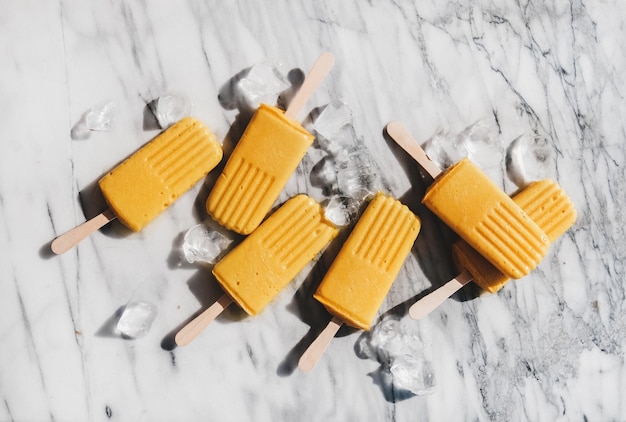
482	143
100	117
355	173
137	319
403	354
263	83
445	149
412	373
203	244
529	158
142	308
342	210
335	117
170	108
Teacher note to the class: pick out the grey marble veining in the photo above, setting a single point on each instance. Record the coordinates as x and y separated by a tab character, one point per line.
547	347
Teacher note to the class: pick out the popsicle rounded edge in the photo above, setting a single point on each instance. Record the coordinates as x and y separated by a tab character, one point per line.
118	203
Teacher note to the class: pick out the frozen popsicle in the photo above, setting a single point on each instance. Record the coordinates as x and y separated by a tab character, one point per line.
483	215
267	154
547	204
359	278
257	269
543	201
150	180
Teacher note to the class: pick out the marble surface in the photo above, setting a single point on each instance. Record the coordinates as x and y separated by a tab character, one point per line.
547	347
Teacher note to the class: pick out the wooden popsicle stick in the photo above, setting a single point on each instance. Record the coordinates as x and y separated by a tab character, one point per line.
316	75
316	349
431	301
190	331
403	138
69	239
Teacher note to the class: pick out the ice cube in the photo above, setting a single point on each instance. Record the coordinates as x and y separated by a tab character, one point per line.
142	308
355	173
342	210
170	108
445	149
402	353
263	83
335	117
412	373
387	338
482	143
137	319
204	244
529	158
101	116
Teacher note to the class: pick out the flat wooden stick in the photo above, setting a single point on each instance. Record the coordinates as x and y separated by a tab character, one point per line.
69	239
315	351
190	331
402	137
316	75
428	303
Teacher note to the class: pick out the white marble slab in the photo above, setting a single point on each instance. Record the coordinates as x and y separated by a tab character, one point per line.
548	347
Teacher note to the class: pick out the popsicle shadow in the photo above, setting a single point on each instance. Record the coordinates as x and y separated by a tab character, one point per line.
207	290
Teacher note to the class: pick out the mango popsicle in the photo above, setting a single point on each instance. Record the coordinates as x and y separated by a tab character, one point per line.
543	201
263	160
547	204
466	200
258	169
151	179
257	269
359	278
484	216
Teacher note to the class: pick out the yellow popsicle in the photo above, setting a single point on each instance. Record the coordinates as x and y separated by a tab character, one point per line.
487	219
258	169
362	273
268	259
546	204
150	180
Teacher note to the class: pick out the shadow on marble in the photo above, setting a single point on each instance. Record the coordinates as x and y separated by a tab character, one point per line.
384	379
109	328
93	203
207	290
150	121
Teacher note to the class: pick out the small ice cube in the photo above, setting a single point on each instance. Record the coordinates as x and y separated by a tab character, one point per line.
170	108
263	83
335	117
403	354
324	173
393	339
142	307
445	149
412	373
137	319
203	244
529	158
342	210
482	144
100	117
355	173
